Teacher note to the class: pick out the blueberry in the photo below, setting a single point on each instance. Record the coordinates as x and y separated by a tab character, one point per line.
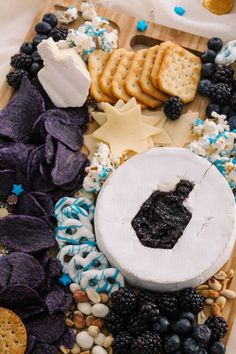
190	346
212	107
43	28
172	343
217	348
34	69
36	57
162	326
182	326
204	86
215	44
232	122
202	351
208	56
202	334
208	70
50	18
188	315
227	111
39	38
27	48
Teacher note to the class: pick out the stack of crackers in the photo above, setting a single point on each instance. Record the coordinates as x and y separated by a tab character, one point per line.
150	75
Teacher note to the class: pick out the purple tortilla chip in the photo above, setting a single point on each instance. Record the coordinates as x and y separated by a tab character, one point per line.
43	348
59	125
5	272
25	233
45	201
39	133
55	300
15	157
79	117
18	117
53	268
28	205
46	328
50	149
69	303
19	296
27	312
42	256
67	165
48	103
7	178
68	338
30	344
26	270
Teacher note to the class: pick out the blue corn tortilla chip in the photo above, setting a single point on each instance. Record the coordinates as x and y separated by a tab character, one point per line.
39	133
47	101
26	270
19	296
25	233
27	312
69	302
43	348
30	344
45	201
15	157
53	271
45	327
18	117
60	125
28	205
55	300
7	178
79	117
68	338
67	165
5	272
42	256
50	149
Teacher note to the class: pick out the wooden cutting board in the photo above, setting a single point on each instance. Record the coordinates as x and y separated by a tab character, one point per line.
128	38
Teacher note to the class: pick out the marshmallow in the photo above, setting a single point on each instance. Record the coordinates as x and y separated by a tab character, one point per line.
227	55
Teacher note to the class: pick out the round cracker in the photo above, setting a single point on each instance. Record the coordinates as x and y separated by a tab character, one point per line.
13	335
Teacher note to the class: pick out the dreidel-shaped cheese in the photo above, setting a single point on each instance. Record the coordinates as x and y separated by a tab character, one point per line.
64	76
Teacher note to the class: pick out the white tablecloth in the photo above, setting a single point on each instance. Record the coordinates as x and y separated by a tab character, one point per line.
16	17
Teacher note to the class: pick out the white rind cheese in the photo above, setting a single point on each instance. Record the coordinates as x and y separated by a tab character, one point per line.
207	240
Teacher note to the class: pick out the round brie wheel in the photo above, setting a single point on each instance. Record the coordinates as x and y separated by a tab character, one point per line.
207	240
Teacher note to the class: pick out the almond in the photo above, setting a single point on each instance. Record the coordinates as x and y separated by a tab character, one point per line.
202	286
231	274
201	318
229	294
221	302
214	284
209	301
215	310
225	283
93	296
210	293
220	275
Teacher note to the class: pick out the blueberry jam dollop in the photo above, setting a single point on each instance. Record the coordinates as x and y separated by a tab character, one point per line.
163	218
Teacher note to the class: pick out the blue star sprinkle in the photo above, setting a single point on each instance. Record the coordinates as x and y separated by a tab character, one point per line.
142	25
65	280
17	189
179	10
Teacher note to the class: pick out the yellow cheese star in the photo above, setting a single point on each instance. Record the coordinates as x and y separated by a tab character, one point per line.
125	131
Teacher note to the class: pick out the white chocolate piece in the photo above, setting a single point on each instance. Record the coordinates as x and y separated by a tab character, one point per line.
84	340
64	76
100	310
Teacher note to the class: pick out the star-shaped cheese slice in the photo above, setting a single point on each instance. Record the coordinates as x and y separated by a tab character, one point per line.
125	131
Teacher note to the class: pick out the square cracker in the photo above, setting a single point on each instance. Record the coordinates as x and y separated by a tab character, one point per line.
145	79
158	60
180	73
132	81
110	70
96	64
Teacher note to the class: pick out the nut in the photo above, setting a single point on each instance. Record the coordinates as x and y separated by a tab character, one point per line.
225	283
76	349
209	301
93	331
69	322
229	294
80	296
94	321
221	302
215	310
104	298
210	293
79	321
231	274
214	284
108	342
93	296
64	350
203	286
86	352
201	318
110	351
220	275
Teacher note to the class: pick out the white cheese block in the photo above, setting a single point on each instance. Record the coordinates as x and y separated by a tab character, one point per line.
64	76
207	240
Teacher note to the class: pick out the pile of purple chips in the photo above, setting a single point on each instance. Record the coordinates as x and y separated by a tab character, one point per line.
40	144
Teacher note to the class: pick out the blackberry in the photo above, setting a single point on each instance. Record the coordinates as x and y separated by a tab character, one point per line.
220	93
234	86
173	107
21	61
124	301
148	343
224	73
149	312
122	343
136	325
233	102
114	322
168	304
14	77
190	300
218	327
58	33
146	296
